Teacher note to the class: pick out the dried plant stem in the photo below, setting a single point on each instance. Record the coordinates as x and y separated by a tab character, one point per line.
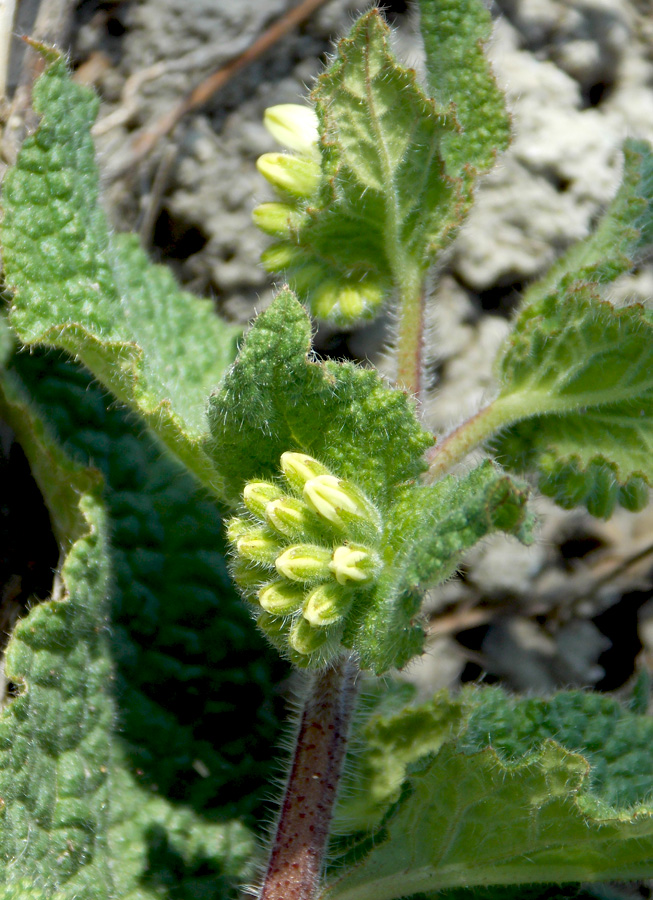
302	832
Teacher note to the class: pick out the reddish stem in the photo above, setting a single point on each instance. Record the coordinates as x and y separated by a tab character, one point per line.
297	856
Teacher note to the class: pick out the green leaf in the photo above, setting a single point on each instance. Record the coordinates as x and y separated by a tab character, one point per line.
580	374
454	34
80	288
427	531
385	204
624	230
186	657
276	398
500	791
55	736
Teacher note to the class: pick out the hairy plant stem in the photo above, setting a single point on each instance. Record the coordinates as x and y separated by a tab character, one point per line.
453	448
297	855
410	341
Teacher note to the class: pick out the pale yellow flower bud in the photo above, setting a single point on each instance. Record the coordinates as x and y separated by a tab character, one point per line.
354	564
300	468
283	255
276	219
305	639
326	604
338	501
281	598
259	546
304	562
293	126
257	495
296	175
290	517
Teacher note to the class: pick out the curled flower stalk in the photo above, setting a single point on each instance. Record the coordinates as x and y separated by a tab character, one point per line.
335	290
306	551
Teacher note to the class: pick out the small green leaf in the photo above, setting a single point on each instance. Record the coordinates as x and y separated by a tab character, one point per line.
78	287
624	230
427	531
580	374
486	789
385	204
454	34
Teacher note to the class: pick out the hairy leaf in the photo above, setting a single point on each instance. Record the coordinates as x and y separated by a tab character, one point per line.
187	658
454	34
385	204
624	230
276	398
427	531
501	791
55	736
580	374
78	287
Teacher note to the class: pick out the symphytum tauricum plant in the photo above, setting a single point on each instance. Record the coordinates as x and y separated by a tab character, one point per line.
138	733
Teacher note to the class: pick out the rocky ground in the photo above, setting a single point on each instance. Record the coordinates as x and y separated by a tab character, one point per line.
577	608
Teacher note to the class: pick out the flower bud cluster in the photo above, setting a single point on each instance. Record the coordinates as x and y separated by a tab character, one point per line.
296	177
303	552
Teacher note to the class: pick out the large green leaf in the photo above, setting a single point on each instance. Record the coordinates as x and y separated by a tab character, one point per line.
485	789
186	658
580	374
55	736
79	287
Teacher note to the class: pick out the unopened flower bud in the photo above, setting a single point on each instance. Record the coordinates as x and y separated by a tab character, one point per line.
338	501
293	126
275	218
257	495
290	517
296	175
354	564
300	468
283	255
346	302
281	598
237	527
304	562
247	576
305	639
258	546
326	604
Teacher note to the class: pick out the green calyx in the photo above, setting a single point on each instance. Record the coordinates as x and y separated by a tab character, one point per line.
305	553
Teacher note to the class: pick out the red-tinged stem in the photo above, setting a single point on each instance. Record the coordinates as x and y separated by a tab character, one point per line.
453	448
410	340
302	832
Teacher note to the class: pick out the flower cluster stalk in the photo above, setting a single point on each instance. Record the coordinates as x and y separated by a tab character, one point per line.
300	842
